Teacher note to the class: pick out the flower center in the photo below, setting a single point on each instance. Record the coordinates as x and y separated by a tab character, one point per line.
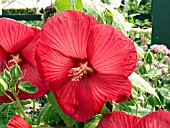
78	72
14	59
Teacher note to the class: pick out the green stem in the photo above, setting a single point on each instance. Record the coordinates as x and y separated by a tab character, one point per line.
136	112
8	96
33	110
20	106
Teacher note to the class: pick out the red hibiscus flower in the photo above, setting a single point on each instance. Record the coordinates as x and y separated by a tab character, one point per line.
84	63
17	122
158	119
18	42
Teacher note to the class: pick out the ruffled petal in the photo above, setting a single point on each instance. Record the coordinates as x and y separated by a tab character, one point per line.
53	66
3	59
28	52
111	52
17	122
118	120
109	87
67	32
75	100
14	35
158	119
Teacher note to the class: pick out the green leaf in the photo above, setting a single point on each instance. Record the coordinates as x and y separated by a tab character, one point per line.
62	5
94	122
3	86
43	110
27	87
75	4
93	8
154	73
67	120
165	92
139	82
142	69
153	101
149	58
109	17
105	110
159	56
5	74
15	72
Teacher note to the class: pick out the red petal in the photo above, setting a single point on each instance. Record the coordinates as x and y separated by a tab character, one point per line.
17	122
67	32
14	36
111	52
3	58
28	52
118	120
75	100
53	66
158	119
109	87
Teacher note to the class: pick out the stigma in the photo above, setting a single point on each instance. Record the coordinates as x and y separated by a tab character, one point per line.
79	72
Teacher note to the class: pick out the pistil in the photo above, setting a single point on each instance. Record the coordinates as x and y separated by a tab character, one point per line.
78	72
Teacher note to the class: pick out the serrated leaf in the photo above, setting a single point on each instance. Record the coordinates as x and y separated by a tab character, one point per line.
139	82
67	120
27	87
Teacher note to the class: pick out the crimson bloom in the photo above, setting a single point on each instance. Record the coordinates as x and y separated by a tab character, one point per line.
18	44
17	122
84	63
157	119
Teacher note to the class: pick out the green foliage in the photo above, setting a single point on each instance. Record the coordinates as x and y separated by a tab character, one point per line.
159	56
140	83
67	120
27	87
15	72
7	111
94	122
68	4
3	86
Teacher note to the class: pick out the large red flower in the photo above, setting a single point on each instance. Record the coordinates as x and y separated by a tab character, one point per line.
84	63
158	119
19	41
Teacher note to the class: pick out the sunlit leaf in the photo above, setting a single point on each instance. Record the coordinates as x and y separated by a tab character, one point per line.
94	122
139	82
27	87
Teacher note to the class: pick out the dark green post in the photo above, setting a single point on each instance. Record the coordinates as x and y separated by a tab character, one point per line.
161	22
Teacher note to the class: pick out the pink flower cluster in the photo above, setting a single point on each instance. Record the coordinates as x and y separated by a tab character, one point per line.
160	48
